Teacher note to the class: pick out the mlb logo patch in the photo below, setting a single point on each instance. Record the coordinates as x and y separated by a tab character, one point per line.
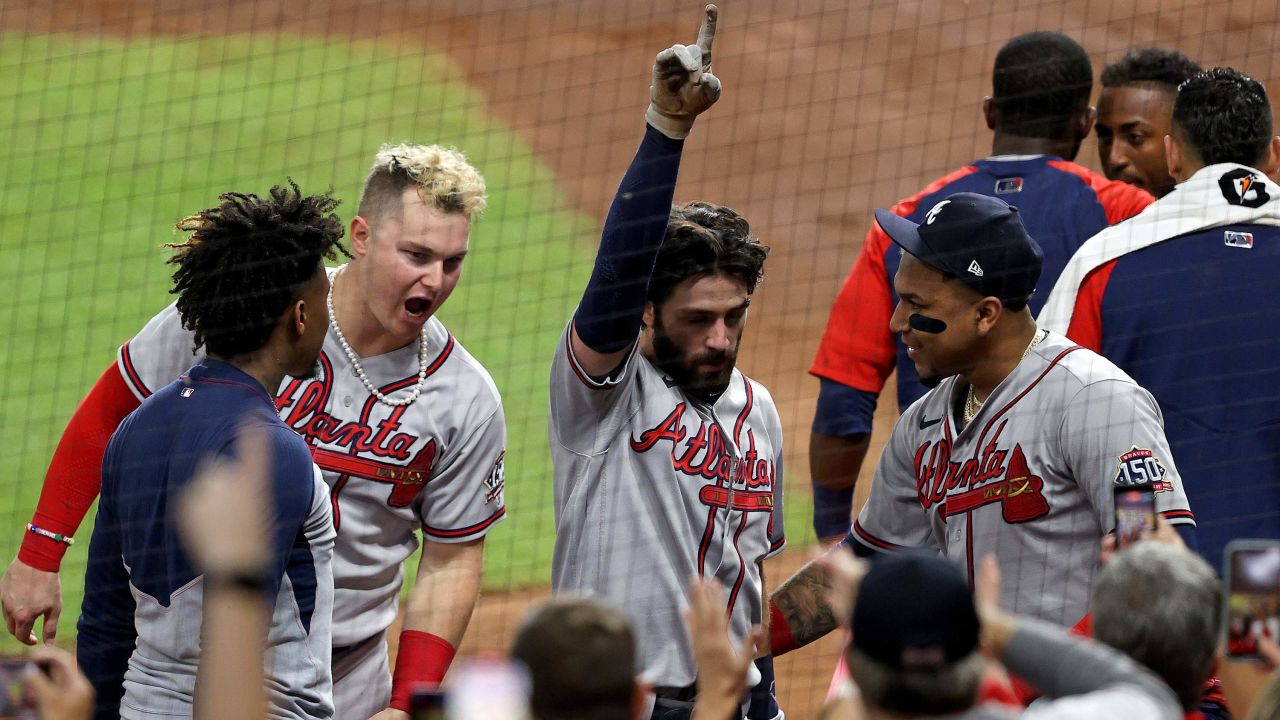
187	392
1005	186
1231	238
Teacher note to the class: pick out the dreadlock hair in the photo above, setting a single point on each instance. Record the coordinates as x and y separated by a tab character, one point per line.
1224	115
706	239
1041	80
245	261
1154	66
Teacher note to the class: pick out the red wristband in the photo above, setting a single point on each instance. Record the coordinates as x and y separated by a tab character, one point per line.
422	659
780	638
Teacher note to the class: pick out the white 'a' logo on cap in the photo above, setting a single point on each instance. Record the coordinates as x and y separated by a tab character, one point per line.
975	268
933	212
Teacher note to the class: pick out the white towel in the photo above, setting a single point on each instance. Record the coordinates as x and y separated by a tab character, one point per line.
1216	195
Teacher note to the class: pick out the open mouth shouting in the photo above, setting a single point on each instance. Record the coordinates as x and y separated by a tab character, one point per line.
417	308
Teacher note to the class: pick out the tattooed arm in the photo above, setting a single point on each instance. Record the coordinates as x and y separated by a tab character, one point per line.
815	600
801	605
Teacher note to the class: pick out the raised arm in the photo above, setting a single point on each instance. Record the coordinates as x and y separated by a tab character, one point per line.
608	317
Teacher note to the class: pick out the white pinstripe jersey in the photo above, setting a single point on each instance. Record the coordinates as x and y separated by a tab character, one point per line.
1030	479
435	465
652	487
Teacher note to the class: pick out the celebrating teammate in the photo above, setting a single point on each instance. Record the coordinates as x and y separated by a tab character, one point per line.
668	461
1017	452
406	425
251	286
1183	298
1133	116
1039	111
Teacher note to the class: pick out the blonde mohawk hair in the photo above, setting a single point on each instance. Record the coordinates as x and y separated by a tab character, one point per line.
444	180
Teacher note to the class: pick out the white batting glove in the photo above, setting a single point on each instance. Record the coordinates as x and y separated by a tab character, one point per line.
683	86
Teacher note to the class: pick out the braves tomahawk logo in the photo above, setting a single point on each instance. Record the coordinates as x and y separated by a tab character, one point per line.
999	475
740	483
368	447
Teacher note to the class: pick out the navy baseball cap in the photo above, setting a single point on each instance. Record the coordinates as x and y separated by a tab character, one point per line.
914	612
979	240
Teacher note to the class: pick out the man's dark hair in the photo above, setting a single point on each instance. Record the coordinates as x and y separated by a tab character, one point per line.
245	261
1040	82
706	239
581	658
1150	66
1224	115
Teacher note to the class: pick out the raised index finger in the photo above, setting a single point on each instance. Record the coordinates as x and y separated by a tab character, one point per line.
707	33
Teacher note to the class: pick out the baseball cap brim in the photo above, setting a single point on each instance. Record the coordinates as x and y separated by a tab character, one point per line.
905	234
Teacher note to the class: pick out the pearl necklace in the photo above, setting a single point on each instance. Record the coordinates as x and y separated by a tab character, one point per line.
355	361
971	404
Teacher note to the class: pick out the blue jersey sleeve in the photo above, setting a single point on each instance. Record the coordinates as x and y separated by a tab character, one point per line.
842	411
107	635
608	317
293	491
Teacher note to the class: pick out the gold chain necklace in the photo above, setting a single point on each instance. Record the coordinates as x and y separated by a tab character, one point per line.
971	404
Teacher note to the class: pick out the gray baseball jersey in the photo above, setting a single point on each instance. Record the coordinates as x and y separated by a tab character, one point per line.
161	679
1030	479
653	487
436	464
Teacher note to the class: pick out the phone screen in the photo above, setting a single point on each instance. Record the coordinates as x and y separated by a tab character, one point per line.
1135	513
1253	596
15	700
489	687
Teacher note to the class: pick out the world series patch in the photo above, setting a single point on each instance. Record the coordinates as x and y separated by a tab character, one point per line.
1140	466
496	481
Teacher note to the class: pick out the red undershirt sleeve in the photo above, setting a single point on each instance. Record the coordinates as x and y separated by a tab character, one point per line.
74	477
1086	318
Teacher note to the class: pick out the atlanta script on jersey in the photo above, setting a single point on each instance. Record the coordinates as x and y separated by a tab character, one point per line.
1030	479
390	471
653	487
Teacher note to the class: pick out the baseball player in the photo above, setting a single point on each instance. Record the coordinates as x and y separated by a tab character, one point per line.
1039	113
1133	116
251	287
1183	298
1017	453
405	424
668	460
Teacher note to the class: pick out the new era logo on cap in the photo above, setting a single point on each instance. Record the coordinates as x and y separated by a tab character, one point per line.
977	239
